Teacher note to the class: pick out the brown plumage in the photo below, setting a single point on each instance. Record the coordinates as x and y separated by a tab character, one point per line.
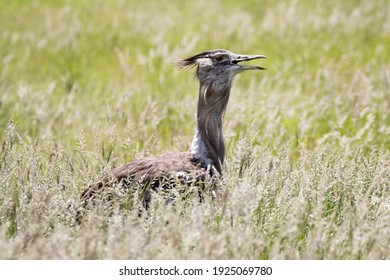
153	172
216	70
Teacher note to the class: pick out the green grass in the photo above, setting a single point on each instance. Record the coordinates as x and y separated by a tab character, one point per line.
88	85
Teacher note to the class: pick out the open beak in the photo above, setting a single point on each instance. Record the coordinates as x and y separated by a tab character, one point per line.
239	58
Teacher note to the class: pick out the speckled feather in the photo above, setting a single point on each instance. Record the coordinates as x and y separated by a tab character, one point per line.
152	171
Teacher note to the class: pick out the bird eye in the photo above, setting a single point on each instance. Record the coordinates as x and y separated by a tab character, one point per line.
218	57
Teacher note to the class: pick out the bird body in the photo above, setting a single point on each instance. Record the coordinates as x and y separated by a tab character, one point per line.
215	71
155	171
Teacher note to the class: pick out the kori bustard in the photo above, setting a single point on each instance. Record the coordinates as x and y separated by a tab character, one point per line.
215	71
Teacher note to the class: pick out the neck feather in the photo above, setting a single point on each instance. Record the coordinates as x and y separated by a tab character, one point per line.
208	145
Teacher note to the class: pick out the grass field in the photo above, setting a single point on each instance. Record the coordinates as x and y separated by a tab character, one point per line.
89	85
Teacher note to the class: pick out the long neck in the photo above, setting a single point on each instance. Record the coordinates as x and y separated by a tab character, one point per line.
208	145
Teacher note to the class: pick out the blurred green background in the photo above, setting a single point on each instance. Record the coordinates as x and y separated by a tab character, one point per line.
103	71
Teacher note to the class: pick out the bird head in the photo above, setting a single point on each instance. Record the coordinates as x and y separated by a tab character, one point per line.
216	63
